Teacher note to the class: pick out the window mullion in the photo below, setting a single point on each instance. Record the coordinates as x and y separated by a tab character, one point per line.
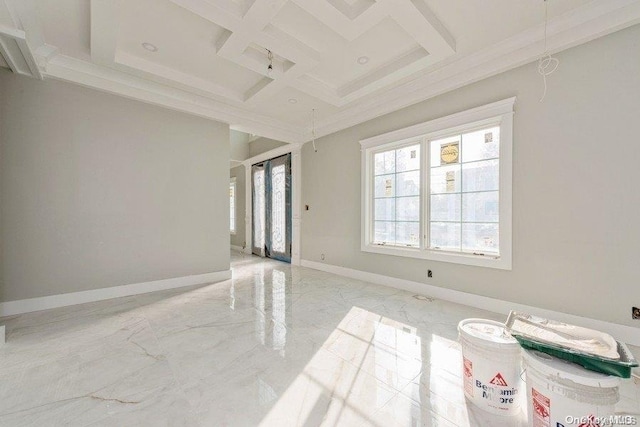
372	193
461	187
425	193
395	197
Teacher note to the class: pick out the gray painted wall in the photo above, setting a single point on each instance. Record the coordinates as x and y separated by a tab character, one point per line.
262	145
238	172
575	207
239	145
97	190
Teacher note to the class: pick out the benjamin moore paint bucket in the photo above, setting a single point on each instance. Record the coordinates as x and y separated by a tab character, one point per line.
490	366
561	393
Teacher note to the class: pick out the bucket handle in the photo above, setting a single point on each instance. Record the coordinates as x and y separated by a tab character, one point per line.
524	370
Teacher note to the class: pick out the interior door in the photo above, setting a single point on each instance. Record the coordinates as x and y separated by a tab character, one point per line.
258	184
278	218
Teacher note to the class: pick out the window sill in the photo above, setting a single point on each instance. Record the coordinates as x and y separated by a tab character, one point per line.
502	263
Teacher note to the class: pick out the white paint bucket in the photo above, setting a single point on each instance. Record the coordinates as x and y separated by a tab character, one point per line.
563	394
490	366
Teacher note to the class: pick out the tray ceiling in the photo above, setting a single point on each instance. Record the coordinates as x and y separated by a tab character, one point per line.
350	60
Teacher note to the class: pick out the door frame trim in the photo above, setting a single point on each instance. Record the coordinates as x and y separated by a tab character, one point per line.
284	160
251	208
296	195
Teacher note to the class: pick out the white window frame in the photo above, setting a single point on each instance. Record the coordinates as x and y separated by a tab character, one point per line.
232	183
497	113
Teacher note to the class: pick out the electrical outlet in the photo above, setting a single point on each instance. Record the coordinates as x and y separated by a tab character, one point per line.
429	273
635	313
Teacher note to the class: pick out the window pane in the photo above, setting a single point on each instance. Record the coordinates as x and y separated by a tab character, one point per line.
445	179
480	176
385	209
445	235
384	232
408	209
408	233
445	207
480	207
278	210
385	162
481	238
445	151
385	186
408	184
259	212
232	207
408	158
483	144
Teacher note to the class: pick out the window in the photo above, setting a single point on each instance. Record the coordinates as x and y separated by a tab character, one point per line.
232	206
441	190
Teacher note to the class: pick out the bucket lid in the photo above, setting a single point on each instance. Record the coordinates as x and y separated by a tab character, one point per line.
487	333
563	369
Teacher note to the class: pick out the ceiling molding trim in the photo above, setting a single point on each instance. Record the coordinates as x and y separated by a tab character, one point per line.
25	17
117	82
165	75
255	28
477	114
578	26
595	20
17	54
19	42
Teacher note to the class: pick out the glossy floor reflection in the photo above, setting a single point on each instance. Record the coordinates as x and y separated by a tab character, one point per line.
275	346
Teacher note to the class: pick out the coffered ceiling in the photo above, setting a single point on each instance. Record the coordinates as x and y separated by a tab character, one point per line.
350	60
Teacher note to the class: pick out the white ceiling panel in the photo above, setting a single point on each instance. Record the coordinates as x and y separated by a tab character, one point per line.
380	45
298	23
295	106
67	26
185	42
477	24
352	8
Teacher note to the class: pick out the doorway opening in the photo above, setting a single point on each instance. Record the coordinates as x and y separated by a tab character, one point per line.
271	208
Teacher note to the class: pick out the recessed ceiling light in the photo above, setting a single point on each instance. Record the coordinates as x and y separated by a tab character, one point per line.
293	101
363	60
150	47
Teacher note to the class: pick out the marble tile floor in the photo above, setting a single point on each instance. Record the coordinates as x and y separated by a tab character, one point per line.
275	346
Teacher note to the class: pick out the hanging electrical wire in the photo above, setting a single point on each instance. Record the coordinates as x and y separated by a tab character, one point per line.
313	129
546	64
270	66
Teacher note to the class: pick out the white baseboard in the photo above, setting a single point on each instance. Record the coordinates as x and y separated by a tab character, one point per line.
627	334
11	308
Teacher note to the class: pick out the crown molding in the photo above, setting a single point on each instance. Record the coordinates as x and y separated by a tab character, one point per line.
16	52
579	26
50	63
117	82
596	19
477	114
